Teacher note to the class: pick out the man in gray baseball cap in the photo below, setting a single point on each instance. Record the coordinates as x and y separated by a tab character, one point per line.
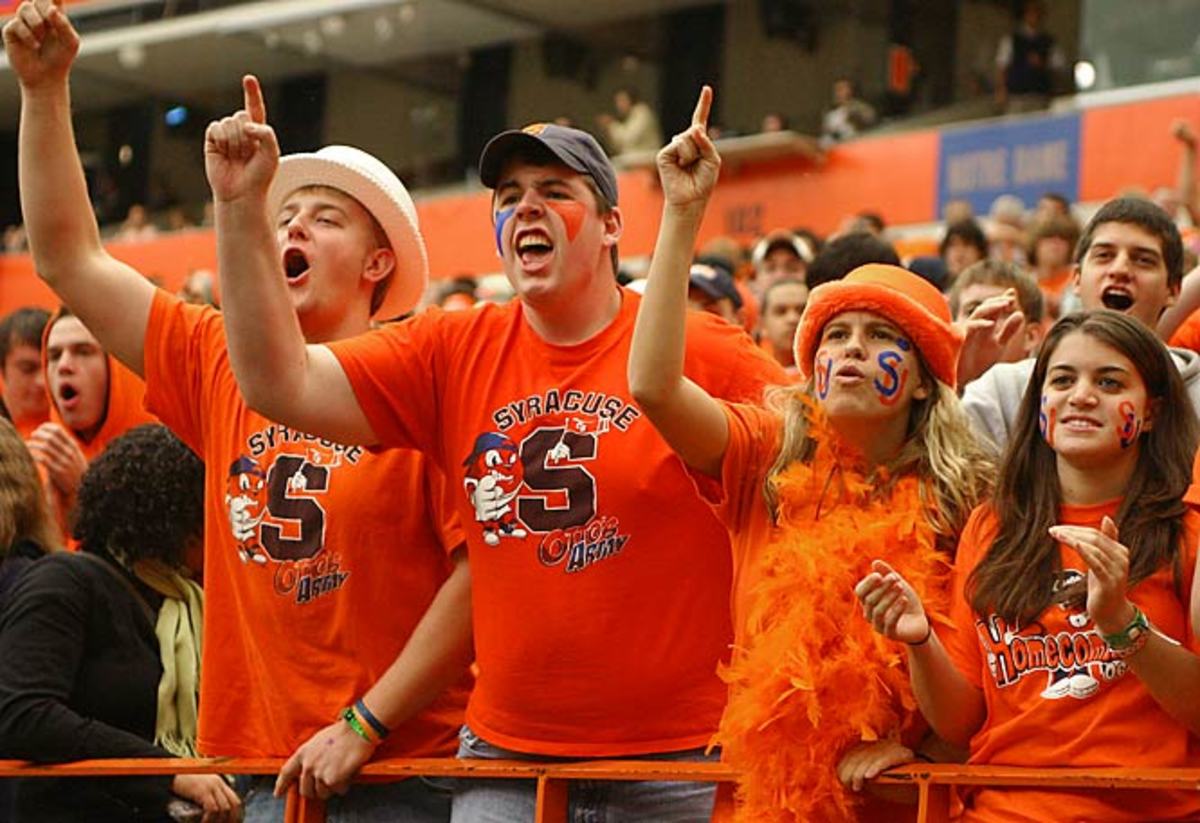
547	143
571	147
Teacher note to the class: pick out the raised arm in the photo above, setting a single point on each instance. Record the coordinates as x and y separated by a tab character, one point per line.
112	299
953	706
280	376
690	420
1184	306
1189	193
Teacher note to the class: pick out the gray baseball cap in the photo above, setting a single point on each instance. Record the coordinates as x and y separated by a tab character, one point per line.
715	282
576	149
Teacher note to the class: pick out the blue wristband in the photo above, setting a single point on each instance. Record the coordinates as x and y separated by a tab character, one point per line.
371	719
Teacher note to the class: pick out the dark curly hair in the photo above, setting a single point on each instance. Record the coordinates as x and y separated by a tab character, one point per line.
142	498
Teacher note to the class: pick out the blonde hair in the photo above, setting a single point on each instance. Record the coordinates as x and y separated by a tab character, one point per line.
955	473
23	510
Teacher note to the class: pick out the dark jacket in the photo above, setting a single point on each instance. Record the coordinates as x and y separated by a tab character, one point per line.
18	558
79	680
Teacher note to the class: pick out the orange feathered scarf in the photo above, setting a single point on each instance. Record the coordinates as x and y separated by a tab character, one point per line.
813	677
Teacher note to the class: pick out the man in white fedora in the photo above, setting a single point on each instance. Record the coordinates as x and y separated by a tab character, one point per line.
327	568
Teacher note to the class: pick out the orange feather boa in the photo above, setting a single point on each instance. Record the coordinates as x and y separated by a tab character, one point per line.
813	677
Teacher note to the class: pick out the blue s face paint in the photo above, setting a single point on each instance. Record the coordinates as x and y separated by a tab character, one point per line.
1130	427
889	389
502	218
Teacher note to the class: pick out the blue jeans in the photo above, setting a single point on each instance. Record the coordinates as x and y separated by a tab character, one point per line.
415	800
588	801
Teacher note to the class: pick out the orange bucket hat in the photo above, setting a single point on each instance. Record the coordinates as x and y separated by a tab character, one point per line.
904	298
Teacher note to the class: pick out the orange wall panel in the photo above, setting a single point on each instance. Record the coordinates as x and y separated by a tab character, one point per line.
1131	145
167	259
895	175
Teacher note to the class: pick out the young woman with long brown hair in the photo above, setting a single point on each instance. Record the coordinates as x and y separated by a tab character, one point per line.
1070	633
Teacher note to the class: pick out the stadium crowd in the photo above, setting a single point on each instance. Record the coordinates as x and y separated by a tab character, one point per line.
806	507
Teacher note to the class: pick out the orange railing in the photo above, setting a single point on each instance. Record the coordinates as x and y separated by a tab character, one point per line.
551	778
933	782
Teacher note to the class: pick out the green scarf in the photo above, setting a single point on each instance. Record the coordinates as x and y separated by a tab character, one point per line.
179	628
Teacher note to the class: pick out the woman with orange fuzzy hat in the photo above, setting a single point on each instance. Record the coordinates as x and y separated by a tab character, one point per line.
871	455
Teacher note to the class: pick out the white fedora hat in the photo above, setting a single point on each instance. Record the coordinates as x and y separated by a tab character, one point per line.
381	193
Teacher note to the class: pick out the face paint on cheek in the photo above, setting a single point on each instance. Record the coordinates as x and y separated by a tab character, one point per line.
1129	425
572	215
821	375
903	344
889	388
1047	421
502	218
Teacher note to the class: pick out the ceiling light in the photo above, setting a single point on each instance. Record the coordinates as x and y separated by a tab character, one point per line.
1085	75
312	42
384	29
131	56
333	25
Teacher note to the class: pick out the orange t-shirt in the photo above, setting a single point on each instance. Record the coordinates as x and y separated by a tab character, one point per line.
600	580
1187	336
27	426
320	559
737	498
1054	286
1055	697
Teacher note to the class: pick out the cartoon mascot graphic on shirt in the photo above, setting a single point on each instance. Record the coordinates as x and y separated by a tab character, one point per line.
1076	681
245	499
494	475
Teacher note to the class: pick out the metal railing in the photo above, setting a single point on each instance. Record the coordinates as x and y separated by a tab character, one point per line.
933	781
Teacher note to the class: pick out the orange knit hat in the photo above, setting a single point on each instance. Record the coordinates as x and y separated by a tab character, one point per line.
905	299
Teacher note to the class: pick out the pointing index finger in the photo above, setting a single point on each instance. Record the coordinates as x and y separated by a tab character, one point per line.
254	104
700	115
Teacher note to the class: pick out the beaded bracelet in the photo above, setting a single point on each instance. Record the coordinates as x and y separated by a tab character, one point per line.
1130	640
372	721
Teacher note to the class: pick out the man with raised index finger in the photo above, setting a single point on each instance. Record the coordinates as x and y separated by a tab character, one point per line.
327	568
600	581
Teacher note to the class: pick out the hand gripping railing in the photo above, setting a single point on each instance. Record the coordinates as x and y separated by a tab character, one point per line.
551	778
933	781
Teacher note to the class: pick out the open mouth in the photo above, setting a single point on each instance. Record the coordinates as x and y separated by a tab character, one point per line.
533	246
1116	299
294	263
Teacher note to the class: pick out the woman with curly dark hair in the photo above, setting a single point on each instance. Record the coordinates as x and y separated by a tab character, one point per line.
101	647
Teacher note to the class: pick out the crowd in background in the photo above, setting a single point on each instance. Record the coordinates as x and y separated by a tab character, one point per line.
714	460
